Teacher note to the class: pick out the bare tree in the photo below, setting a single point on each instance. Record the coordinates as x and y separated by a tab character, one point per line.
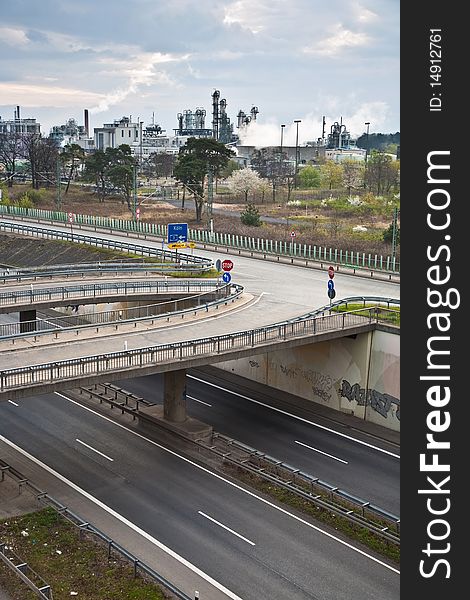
11	149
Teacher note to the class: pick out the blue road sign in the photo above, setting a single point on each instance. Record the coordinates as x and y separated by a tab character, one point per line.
226	277
331	285
177	232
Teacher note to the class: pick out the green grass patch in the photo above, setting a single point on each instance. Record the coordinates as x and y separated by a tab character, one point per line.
390	314
53	548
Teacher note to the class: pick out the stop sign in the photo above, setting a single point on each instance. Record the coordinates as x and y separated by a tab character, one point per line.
227	265
331	272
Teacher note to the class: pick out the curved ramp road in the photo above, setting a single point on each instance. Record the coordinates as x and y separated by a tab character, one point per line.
250	546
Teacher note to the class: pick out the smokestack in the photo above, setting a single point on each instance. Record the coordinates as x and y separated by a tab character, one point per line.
18	113
87	130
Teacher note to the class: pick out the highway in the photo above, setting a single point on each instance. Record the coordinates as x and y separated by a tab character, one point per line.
252	548
249	546
365	467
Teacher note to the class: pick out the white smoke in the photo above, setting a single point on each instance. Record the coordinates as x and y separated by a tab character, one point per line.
310	128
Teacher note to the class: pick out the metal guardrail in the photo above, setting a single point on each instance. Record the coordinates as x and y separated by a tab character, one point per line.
122	361
97	290
13	274
25	573
139	314
84	526
387	264
300	483
188	260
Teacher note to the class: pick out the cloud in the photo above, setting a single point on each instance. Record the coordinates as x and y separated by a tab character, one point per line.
253	16
13	37
340	40
44	95
364	15
140	71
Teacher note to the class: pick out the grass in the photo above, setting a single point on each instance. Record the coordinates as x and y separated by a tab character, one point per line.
390	314
54	550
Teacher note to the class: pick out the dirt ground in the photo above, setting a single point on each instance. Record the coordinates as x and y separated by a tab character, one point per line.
314	224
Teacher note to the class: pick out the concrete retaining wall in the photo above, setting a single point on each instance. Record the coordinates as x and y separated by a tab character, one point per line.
360	376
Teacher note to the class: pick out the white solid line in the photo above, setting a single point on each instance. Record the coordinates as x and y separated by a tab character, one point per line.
227	528
321	452
284	412
112	512
14	403
94	449
232	484
200	401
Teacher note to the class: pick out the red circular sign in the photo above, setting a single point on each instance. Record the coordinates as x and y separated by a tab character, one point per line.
227	265
292	233
331	272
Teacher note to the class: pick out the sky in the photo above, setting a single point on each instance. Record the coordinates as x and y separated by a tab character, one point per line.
145	59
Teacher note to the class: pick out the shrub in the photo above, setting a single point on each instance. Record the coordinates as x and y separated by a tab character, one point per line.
250	216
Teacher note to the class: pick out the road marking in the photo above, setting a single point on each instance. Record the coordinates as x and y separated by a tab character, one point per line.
14	403
200	401
230	483
284	412
94	449
116	515
227	528
321	452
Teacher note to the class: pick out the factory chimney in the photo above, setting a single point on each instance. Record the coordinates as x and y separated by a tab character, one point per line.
87	129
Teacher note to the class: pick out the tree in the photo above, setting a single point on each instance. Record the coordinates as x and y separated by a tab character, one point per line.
250	216
195	159
331	174
310	177
96	166
382	173
162	164
113	169
11	149
353	175
244	181
73	155
232	166
42	154
121	172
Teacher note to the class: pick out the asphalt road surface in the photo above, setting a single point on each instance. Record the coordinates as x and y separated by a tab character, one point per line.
252	548
364	467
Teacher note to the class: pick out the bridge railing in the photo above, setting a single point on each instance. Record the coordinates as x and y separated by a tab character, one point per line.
96	290
103	364
223	294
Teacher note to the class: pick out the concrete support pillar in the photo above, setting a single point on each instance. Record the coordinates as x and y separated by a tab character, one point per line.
174	396
25	316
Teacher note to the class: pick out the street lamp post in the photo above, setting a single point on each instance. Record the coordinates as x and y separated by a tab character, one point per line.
282	137
297	121
367	139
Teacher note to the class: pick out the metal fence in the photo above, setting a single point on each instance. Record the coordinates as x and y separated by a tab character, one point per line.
83	526
348	258
186	261
100	290
149	313
103	364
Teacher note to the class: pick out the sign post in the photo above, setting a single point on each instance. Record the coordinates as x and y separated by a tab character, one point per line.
292	237
331	283
71	218
227	265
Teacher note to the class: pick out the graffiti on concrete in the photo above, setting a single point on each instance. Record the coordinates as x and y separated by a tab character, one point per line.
321	384
253	363
380	402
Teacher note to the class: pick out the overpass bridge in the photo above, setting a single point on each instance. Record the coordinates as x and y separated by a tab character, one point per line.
77	358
